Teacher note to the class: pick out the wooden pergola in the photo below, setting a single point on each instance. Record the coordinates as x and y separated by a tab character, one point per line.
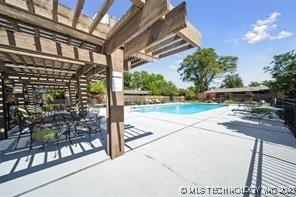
45	44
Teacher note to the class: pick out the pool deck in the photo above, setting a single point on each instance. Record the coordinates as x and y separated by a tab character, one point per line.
165	155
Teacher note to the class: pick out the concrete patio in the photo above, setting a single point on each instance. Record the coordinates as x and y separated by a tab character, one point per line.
166	155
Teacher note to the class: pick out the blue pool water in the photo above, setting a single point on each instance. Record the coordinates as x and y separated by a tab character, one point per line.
180	108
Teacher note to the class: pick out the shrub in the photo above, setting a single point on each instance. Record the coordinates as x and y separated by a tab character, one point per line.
229	101
251	102
263	110
48	107
98	88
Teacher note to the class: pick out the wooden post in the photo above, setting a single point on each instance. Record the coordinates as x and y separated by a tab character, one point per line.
82	93
3	118
68	90
78	96
115	105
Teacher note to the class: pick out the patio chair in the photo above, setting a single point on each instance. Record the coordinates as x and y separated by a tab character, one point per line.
22	113
23	120
90	124
44	135
34	110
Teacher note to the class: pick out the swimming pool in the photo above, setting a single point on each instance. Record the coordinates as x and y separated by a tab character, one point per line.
180	108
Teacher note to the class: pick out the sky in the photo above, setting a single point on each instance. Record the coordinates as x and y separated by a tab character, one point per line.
252	30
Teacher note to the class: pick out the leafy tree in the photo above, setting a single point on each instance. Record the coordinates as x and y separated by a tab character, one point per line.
182	91
283	71
141	80
232	81
97	88
128	82
157	87
155	83
267	83
189	93
170	89
204	65
254	84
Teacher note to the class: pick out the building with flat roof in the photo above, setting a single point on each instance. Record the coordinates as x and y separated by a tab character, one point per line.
239	94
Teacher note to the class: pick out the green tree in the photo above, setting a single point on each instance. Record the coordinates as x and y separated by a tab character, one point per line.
267	83
233	81
155	83
170	89
141	80
254	84
189	93
97	88
203	66
128	81
283	71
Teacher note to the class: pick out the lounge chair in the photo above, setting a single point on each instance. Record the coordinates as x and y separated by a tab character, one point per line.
157	101
259	112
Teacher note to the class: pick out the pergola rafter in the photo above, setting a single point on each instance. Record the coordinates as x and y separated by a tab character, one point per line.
101	13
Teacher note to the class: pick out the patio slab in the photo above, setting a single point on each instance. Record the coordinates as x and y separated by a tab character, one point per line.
165	155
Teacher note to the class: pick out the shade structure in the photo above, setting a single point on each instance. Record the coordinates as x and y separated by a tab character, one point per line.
43	43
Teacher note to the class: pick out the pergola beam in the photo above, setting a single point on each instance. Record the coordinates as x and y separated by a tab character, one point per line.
30	6
141	20
190	35
19	14
42	55
177	50
77	12
138	3
101	13
21	66
29	76
144	56
169	47
95	71
55	5
84	69
163	43
174	21
130	13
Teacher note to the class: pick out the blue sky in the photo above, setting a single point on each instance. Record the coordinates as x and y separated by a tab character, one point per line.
253	30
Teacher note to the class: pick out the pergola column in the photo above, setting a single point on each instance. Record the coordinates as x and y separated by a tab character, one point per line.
115	104
82	93
31	94
3	118
72	92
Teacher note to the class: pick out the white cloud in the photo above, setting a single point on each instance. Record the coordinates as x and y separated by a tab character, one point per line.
281	35
261	30
269	21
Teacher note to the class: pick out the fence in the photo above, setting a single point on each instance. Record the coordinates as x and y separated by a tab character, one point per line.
289	112
144	99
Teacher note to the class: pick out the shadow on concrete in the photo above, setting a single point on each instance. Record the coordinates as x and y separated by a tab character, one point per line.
12	159
267	132
270	174
269	171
